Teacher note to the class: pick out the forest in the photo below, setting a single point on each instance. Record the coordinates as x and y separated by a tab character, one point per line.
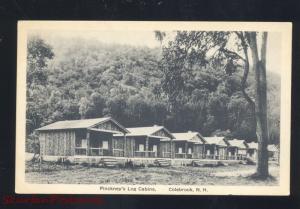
78	78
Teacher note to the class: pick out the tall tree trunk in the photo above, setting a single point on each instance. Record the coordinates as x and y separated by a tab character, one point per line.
259	67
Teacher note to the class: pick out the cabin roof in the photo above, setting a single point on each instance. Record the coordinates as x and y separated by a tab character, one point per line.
237	143
146	131
79	124
253	145
273	148
217	140
188	136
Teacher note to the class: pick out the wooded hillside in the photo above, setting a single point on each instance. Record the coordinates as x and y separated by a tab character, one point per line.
73	79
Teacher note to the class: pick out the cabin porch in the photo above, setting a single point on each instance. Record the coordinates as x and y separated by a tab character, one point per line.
215	152
242	154
98	143
232	153
184	149
151	147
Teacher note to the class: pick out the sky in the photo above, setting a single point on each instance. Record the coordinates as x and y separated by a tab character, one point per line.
147	38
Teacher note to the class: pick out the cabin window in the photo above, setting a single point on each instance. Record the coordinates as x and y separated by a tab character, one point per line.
81	143
154	148
141	147
208	152
190	150
242	152
180	150
104	144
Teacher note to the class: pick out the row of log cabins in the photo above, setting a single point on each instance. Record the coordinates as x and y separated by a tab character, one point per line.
106	137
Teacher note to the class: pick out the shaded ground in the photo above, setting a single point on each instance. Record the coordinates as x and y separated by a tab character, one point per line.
77	174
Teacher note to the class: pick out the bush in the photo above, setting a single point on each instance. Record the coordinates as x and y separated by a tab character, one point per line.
32	144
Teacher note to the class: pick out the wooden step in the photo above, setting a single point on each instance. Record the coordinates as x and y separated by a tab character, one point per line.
204	163
109	162
162	162
109	159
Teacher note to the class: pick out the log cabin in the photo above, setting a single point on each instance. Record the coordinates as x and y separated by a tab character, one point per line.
105	137
216	148
237	149
273	152
148	142
252	150
87	137
189	145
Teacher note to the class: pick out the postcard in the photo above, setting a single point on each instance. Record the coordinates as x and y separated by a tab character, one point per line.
153	108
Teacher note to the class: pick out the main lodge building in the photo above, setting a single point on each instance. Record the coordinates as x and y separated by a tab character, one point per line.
94	139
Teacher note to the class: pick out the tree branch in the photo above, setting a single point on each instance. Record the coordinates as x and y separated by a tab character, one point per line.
246	70
231	53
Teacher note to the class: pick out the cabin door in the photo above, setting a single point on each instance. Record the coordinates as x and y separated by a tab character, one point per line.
141	147
154	149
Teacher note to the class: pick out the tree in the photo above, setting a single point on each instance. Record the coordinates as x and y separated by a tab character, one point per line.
202	80
159	35
38	54
228	51
259	67
83	107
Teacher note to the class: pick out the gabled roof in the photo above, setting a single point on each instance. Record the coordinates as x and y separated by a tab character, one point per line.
79	124
237	143
273	148
217	140
146	131
188	136
253	145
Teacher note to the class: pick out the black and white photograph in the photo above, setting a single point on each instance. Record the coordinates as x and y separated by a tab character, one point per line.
198	108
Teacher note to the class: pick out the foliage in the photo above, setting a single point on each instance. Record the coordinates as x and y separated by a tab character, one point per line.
141	86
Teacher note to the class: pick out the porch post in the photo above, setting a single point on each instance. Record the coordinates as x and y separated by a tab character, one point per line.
171	149
194	150
87	142
186	149
147	147
124	146
221	150
110	146
215	150
227	153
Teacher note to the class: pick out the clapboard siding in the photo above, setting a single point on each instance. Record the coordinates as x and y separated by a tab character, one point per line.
223	151
118	143
109	125
162	133
198	151
42	143
165	147
129	147
173	147
57	143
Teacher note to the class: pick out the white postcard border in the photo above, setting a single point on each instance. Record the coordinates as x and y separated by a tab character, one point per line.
285	125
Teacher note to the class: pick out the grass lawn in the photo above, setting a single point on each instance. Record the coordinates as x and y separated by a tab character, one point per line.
77	174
